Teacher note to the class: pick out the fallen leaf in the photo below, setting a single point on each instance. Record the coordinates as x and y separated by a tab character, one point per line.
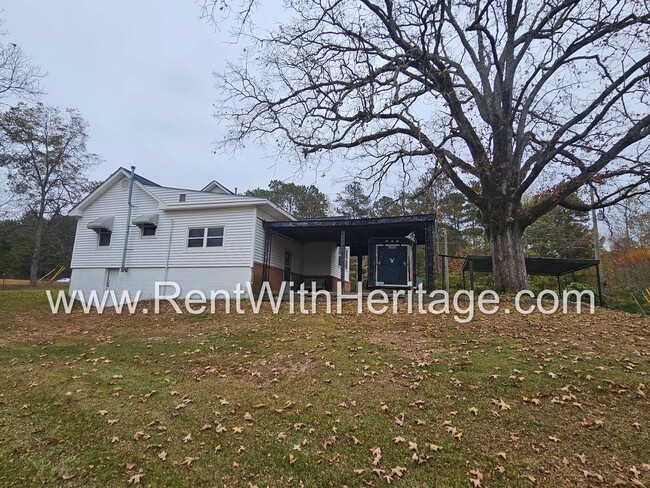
135	479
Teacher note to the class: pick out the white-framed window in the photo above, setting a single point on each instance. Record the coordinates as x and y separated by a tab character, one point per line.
205	237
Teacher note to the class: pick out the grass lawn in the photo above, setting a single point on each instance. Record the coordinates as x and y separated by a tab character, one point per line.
322	400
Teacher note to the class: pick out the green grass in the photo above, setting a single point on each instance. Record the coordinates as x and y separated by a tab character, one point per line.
323	392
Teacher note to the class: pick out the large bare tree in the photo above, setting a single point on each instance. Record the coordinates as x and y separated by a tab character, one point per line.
44	153
523	105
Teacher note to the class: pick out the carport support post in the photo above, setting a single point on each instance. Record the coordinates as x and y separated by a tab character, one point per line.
360	268
342	258
601	299
429	253
559	287
267	255
471	274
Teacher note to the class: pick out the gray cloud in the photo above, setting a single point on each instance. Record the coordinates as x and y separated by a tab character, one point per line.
140	72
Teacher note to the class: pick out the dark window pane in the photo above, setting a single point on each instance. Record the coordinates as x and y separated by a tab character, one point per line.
215	232
215	241
195	242
148	230
196	232
105	237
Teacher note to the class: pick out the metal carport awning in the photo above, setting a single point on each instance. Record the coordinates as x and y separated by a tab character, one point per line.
101	223
535	266
355	233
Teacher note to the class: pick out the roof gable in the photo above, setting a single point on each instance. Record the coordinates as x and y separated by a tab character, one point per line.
215	187
213	196
117	176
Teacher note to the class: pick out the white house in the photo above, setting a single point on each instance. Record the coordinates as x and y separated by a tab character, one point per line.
209	239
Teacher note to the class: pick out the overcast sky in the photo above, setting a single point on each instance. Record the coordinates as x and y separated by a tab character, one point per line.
140	72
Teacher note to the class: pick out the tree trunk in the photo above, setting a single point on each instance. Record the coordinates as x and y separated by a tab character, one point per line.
36	255
508	263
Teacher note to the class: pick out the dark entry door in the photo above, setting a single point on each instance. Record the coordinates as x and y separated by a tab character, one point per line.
392	265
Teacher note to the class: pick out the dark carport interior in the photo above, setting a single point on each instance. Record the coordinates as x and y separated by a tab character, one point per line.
356	233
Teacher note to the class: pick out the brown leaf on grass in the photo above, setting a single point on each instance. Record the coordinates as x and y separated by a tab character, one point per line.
413	446
398	471
238	430
188	461
589	474
476	477
534	401
248	417
162	455
292	459
501	455
219	429
102	412
473	411
135	479
129	465
139	435
399	440
355	441
399	420
376	452
67	476
433	447
187	438
582	458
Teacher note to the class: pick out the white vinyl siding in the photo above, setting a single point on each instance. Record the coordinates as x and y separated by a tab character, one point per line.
169	245
279	245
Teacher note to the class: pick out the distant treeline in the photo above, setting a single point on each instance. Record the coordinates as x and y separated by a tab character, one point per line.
17	244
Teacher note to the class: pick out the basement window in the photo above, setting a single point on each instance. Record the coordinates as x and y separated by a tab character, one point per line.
205	237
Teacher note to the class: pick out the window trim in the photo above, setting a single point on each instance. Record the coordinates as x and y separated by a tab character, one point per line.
204	239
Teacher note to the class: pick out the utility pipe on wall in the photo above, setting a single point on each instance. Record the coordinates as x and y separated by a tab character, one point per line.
124	269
